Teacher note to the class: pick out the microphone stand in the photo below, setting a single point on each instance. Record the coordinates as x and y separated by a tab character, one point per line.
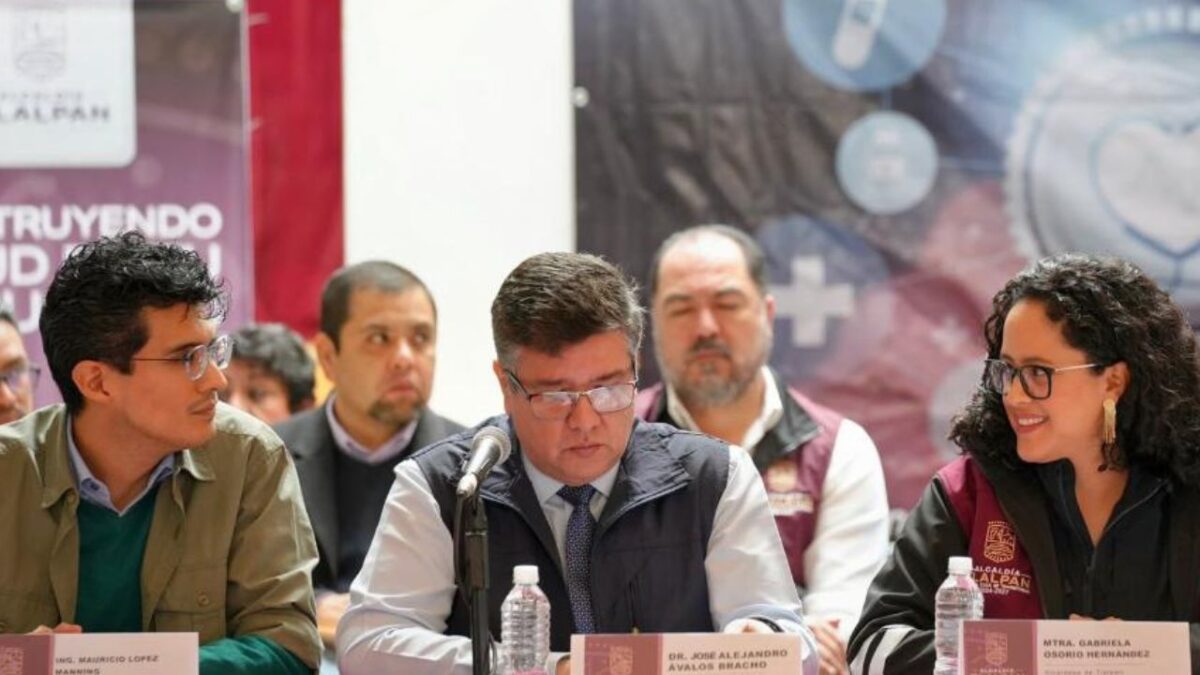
476	548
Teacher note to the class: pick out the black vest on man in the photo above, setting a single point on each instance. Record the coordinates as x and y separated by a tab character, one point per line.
648	548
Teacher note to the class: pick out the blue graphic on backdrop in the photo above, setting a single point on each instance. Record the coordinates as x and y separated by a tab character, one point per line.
886	163
819	272
864	45
1106	149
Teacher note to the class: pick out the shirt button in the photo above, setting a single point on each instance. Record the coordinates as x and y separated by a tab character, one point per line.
202	599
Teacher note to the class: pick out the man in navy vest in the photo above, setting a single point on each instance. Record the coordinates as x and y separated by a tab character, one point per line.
633	526
713	319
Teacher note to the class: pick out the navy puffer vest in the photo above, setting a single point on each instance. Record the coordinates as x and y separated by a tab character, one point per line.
649	545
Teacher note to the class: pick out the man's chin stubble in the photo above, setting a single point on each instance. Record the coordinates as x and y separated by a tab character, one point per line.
386	414
709	395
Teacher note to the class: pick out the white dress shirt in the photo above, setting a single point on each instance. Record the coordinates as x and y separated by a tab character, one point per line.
850	542
351	448
401	599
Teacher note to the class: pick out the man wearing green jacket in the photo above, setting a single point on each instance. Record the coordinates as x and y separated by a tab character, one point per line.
142	503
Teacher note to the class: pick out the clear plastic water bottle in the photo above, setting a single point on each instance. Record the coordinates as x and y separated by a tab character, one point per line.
525	625
958	598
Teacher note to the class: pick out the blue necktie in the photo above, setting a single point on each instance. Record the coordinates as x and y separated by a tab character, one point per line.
579	554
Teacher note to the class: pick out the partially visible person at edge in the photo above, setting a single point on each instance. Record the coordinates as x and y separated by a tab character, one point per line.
143	503
713	317
378	346
18	377
271	376
1079	488
632	525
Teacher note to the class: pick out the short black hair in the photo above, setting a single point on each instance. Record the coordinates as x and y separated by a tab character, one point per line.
554	300
756	260
6	316
379	275
279	351
93	307
1112	312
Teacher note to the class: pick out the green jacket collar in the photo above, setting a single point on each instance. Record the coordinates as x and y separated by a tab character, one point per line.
59	479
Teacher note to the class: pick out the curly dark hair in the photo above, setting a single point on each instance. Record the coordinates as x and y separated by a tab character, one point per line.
93	308
279	351
1110	310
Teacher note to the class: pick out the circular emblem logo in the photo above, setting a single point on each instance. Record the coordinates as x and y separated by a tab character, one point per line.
999	544
1106	148
863	45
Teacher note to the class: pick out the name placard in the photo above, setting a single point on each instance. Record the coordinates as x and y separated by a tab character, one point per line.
668	653
100	654
996	647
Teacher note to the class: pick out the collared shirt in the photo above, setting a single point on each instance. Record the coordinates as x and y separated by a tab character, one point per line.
402	597
391	448
768	417
558	510
93	491
850	542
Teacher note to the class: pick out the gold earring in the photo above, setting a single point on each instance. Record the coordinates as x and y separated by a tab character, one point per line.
1110	421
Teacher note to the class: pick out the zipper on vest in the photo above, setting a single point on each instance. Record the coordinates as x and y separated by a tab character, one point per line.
1089	587
1089	591
631	596
553	550
1127	510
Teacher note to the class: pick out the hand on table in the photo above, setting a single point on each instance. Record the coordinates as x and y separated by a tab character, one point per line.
330	608
60	628
830	644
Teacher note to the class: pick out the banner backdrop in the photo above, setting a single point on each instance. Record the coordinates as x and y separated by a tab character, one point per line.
296	156
898	161
114	115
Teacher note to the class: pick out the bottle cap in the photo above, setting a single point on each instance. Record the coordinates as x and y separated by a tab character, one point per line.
525	574
960	564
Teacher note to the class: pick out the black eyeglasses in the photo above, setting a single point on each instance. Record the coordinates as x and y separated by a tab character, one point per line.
1035	380
22	377
195	360
556	405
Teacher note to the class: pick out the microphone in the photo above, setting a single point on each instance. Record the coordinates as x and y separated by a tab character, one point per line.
489	448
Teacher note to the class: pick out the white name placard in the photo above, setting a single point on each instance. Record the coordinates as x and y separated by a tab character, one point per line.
127	654
995	647
100	654
682	653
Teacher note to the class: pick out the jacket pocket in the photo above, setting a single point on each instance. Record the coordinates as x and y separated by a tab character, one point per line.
194	601
210	625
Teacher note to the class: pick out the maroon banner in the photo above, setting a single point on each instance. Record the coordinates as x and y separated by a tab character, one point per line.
296	150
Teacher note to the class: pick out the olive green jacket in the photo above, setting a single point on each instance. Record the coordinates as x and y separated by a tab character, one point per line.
230	550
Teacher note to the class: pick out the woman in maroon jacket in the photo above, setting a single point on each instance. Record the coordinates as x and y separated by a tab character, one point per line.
1078	494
